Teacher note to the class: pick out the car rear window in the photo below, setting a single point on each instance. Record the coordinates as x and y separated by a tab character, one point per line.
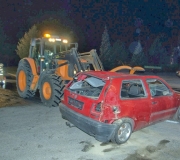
88	86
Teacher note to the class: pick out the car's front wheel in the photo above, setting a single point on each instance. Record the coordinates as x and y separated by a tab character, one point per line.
123	131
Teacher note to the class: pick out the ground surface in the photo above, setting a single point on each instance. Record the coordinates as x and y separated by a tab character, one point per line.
10	98
31	131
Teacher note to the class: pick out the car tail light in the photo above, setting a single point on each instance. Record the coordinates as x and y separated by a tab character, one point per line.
96	108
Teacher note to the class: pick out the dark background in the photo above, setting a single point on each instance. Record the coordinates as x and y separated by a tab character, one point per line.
91	16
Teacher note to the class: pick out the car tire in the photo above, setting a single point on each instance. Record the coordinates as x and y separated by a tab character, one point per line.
177	115
51	90
24	80
123	131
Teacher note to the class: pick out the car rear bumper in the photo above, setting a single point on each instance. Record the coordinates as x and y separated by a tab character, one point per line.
101	131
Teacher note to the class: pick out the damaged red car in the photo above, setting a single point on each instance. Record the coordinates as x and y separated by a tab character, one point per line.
111	105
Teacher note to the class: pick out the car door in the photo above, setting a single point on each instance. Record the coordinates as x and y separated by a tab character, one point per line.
161	100
134	102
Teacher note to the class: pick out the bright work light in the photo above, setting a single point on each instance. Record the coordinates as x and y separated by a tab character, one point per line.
52	40
47	35
65	41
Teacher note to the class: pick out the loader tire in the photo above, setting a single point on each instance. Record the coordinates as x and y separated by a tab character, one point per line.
24	79
51	90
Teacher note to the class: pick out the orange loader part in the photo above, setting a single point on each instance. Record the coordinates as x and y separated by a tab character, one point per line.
120	68
22	80
34	72
46	89
132	70
63	70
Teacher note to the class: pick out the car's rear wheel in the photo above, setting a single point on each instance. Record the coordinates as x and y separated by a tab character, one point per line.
51	90
122	132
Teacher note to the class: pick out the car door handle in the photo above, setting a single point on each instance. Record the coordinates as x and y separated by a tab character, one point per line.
154	102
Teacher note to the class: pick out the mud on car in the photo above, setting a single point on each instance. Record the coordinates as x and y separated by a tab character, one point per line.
110	105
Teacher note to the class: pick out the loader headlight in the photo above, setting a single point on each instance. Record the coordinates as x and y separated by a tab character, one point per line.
58	39
65	41
52	40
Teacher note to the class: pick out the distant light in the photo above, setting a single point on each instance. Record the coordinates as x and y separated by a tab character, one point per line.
47	35
65	41
58	39
52	40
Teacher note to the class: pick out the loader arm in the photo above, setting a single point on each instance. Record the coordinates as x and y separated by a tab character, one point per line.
91	58
68	64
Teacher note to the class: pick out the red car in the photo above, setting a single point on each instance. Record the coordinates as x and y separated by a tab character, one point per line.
111	105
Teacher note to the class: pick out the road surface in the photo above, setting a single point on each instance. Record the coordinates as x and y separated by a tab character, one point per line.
34	132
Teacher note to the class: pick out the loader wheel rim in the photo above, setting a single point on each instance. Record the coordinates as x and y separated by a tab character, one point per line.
47	90
22	80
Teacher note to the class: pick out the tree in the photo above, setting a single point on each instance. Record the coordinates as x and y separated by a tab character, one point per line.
119	54
24	43
105	48
139	59
59	23
157	53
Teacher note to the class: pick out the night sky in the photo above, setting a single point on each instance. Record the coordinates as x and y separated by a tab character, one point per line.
91	17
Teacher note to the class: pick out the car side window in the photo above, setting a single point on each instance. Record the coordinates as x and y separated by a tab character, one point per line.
157	88
132	89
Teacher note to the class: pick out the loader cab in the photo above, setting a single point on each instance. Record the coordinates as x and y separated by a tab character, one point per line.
43	51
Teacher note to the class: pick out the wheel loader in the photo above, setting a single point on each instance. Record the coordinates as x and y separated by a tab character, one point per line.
51	64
